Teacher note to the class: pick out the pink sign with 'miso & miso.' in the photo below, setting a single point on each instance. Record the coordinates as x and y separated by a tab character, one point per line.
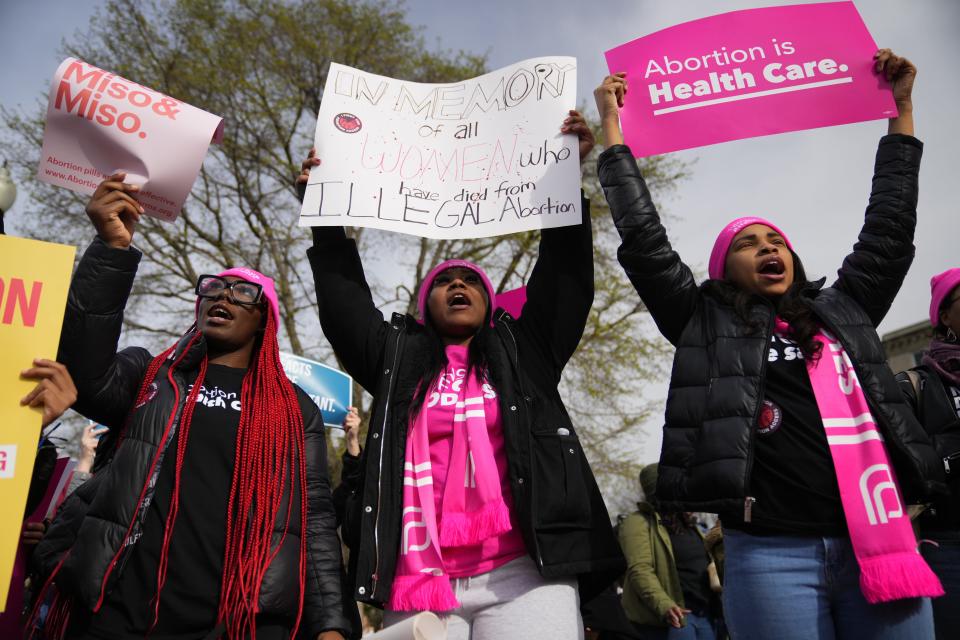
99	123
749	73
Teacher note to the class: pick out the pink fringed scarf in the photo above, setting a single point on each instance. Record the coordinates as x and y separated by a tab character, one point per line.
474	507
891	568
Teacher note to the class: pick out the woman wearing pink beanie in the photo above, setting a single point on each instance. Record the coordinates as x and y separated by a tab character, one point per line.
208	514
475	499
782	415
933	390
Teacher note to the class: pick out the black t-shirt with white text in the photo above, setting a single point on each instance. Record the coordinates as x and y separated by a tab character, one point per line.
793	479
191	593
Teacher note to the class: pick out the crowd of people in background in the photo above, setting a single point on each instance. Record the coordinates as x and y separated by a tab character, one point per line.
204	507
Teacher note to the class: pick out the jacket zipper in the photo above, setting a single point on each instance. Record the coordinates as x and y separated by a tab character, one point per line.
516	363
375	578
947	460
748	500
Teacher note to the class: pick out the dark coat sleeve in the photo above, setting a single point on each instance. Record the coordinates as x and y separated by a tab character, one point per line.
350	320
873	273
325	607
560	291
665	284
350	474
62	532
107	381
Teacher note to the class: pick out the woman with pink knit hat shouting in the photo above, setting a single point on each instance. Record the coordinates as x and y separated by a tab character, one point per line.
209	513
782	415
475	501
933	390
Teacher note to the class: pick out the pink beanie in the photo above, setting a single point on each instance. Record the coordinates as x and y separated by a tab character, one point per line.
940	287
427	283
718	257
269	290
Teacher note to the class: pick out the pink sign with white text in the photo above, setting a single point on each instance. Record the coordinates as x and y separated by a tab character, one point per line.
99	123
749	73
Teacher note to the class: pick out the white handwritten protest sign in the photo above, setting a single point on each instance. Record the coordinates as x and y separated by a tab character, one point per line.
99	123
478	158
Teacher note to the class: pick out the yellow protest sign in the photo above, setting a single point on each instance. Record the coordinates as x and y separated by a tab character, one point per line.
34	278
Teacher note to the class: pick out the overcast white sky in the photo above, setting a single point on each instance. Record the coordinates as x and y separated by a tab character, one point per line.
814	184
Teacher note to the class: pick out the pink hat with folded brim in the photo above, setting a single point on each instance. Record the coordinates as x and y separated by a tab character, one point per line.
940	287
427	283
250	275
718	257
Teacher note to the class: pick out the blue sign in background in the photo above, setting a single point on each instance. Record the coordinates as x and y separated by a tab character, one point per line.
331	389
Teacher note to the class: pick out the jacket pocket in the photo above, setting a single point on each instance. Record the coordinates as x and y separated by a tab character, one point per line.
280	588
561	497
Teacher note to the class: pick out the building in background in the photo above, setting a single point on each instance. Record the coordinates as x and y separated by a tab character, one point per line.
904	347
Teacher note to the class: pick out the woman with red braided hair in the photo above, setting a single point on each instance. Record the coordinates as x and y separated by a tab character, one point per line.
209	512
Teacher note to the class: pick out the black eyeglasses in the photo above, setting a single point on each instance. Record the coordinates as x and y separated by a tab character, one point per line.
241	291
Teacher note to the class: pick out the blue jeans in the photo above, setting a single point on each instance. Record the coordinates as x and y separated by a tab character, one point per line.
944	558
800	588
697	628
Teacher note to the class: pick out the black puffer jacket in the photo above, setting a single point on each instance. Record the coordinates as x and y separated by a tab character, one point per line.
716	387
933	405
94	522
563	518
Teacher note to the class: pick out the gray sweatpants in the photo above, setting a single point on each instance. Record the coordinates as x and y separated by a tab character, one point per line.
513	601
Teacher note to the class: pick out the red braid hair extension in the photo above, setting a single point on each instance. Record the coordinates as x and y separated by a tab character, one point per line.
186	419
58	617
58	613
148	378
269	458
269	463
60	606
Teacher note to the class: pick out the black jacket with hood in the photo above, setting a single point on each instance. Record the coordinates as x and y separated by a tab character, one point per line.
562	516
89	531
716	387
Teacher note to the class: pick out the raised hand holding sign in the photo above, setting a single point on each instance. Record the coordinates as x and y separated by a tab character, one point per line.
479	158
99	123
750	73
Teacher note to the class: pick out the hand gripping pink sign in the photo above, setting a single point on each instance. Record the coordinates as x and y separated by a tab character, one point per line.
749	73
99	123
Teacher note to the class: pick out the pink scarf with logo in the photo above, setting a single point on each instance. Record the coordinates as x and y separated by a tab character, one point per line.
473	510
883	541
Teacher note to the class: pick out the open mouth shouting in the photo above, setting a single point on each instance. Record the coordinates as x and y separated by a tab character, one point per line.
218	315
772	269
458	301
